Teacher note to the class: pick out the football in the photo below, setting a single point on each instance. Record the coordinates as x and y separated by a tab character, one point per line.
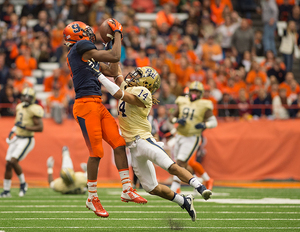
106	32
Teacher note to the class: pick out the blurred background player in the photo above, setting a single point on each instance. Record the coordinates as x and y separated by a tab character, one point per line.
94	119
69	182
193	115
28	120
134	107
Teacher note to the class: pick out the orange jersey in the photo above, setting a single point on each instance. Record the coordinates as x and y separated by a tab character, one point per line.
183	75
217	13
141	62
49	83
208	51
287	87
56	38
21	84
162	18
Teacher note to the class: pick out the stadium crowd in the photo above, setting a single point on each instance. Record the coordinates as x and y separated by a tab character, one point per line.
216	44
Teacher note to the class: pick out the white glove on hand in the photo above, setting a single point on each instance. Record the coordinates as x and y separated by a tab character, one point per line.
50	162
9	141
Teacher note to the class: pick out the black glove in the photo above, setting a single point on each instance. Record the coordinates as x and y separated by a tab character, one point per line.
200	125
93	67
19	124
181	121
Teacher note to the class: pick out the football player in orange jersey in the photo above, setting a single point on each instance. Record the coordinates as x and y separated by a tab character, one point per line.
94	119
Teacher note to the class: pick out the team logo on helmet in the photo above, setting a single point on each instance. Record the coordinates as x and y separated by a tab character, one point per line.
76	31
144	76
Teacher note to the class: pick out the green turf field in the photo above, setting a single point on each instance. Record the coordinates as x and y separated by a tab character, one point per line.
230	209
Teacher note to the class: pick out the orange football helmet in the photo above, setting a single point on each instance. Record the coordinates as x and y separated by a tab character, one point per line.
76	31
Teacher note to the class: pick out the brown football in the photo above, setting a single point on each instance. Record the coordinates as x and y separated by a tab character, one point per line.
106	32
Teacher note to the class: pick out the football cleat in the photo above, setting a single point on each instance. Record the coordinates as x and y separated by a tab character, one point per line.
206	193
23	189
188	205
5	193
131	195
209	184
95	205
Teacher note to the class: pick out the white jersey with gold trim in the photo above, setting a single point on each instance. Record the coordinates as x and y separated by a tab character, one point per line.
25	116
133	119
193	112
79	186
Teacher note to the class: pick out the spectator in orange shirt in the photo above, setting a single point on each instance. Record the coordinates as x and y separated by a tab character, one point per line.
56	80
280	2
174	44
217	9
165	16
25	62
239	80
199	74
142	59
274	89
289	77
295	90
225	2
187	51
57	104
57	35
255	72
253	90
270	60
232	88
173	2
210	52
20	82
206	95
143	6
183	71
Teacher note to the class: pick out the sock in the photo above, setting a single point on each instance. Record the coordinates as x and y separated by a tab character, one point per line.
66	160
194	182
178	199
92	188
124	174
22	178
205	176
175	184
6	184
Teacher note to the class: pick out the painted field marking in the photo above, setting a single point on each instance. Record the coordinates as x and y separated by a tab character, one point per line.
150	219
152	212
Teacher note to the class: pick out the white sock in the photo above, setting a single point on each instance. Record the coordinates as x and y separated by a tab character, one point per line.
92	188
205	176
6	184
22	178
178	199
124	175
194	182
175	184
66	160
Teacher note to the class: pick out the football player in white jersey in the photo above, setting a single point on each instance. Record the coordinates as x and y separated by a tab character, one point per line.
193	115
69	182
28	120
135	94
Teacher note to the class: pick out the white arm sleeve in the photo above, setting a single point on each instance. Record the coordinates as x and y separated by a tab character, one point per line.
111	87
211	122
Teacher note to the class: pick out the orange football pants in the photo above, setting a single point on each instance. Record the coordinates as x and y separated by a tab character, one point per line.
96	123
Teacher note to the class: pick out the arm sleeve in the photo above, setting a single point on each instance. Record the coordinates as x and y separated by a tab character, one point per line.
84	46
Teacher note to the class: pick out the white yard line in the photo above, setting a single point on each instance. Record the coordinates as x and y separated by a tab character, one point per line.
152	219
160	227
152	212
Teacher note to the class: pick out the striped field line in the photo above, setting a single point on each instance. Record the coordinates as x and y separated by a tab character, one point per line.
159	227
150	219
152	212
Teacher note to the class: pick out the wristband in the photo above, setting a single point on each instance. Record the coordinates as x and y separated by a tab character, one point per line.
118	77
122	95
50	170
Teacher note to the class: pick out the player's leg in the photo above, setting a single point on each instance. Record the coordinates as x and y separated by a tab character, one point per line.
18	152
112	136
87	114
66	159
185	148
145	171
200	171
